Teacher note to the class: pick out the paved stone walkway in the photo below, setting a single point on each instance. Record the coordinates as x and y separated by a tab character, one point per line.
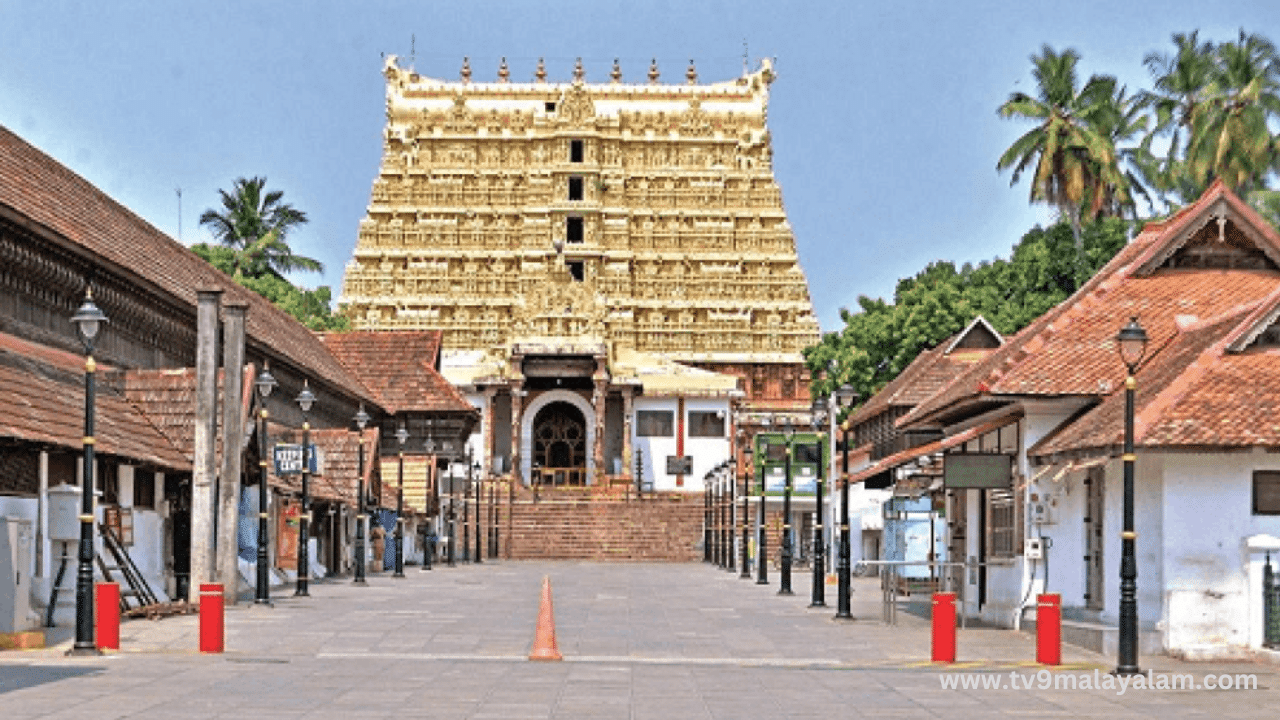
639	641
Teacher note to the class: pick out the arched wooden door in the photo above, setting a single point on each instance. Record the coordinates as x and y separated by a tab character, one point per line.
560	445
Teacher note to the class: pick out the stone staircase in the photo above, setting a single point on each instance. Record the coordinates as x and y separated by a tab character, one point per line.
581	524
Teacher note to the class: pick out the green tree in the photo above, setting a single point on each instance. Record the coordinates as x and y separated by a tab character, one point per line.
310	307
1071	149
1181	81
256	225
1231	138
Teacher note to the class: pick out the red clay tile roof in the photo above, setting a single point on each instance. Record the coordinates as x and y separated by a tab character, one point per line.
47	193
1070	350
399	367
167	399
42	402
1195	393
925	376
905	456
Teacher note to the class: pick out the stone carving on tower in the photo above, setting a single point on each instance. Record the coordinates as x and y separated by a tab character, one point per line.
651	207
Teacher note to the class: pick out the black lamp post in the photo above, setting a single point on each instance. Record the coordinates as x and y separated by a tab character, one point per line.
88	320
788	432
401	435
1132	343
362	420
452	513
305	400
745	572
818	598
466	510
706	518
844	399
429	500
265	384
728	478
762	554
479	481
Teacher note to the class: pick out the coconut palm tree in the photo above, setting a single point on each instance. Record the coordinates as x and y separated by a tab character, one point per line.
256	225
1181	80
1231	138
1071	148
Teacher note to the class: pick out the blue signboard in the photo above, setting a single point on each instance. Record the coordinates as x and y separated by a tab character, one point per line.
288	459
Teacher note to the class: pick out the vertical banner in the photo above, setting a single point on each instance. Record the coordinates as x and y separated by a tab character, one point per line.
287	535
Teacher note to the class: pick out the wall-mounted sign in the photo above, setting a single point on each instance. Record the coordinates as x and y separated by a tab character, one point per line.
679	464
288	459
978	470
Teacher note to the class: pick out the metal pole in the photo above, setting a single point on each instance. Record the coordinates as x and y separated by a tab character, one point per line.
762	557
85	644
730	486
785	586
819	594
399	573
744	572
479	554
360	515
452	517
304	518
842	562
1128	650
466	513
706	521
263	594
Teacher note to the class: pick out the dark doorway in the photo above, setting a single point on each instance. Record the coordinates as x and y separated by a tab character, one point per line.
560	445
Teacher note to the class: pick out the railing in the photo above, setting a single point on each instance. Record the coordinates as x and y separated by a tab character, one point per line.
890	586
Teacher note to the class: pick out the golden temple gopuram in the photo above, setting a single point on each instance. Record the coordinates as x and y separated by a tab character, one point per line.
621	243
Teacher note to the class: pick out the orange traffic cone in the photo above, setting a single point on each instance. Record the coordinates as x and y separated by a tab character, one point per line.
544	639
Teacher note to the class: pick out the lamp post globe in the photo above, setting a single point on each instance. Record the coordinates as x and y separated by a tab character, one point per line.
362	421
402	435
265	384
1131	342
88	320
305	400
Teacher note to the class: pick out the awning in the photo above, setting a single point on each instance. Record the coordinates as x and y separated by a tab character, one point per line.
905	456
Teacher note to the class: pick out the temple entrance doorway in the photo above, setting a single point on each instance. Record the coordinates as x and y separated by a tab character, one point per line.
559	446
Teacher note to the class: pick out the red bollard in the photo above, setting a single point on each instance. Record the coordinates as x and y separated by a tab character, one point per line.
106	616
944	627
1049	629
211	621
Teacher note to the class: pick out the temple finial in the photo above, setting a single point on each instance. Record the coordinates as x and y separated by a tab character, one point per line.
616	75
541	72
653	72
692	73
504	73
466	70
579	74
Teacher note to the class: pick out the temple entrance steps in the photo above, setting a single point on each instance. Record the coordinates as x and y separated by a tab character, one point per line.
569	525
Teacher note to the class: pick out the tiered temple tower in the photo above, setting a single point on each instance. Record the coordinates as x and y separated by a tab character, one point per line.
613	240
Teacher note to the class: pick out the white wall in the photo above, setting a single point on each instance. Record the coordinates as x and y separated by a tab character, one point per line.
654	450
1148	523
1208	511
706	452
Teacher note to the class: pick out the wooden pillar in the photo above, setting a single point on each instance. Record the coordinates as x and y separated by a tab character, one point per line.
517	412
627	408
597	452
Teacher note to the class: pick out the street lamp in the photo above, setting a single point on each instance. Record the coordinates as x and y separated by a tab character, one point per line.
451	516
466	509
819	594
1132	344
305	400
362	420
479	522
401	435
789	433
429	501
264	384
762	554
745	572
706	518
845	397
728	479
88	319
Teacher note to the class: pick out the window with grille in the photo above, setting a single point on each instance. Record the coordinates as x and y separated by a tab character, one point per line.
655	423
706	424
1266	492
1002	524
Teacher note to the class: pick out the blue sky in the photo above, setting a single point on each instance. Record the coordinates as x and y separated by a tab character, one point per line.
883	115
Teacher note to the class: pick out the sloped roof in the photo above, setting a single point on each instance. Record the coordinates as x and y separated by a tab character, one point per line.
42	401
48	194
1197	392
339	447
167	398
930	371
399	367
1070	350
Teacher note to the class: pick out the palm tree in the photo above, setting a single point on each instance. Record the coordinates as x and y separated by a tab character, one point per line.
1181	81
1231	139
256	225
1071	147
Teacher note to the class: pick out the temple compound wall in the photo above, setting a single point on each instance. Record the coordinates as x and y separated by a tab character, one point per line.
611	265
